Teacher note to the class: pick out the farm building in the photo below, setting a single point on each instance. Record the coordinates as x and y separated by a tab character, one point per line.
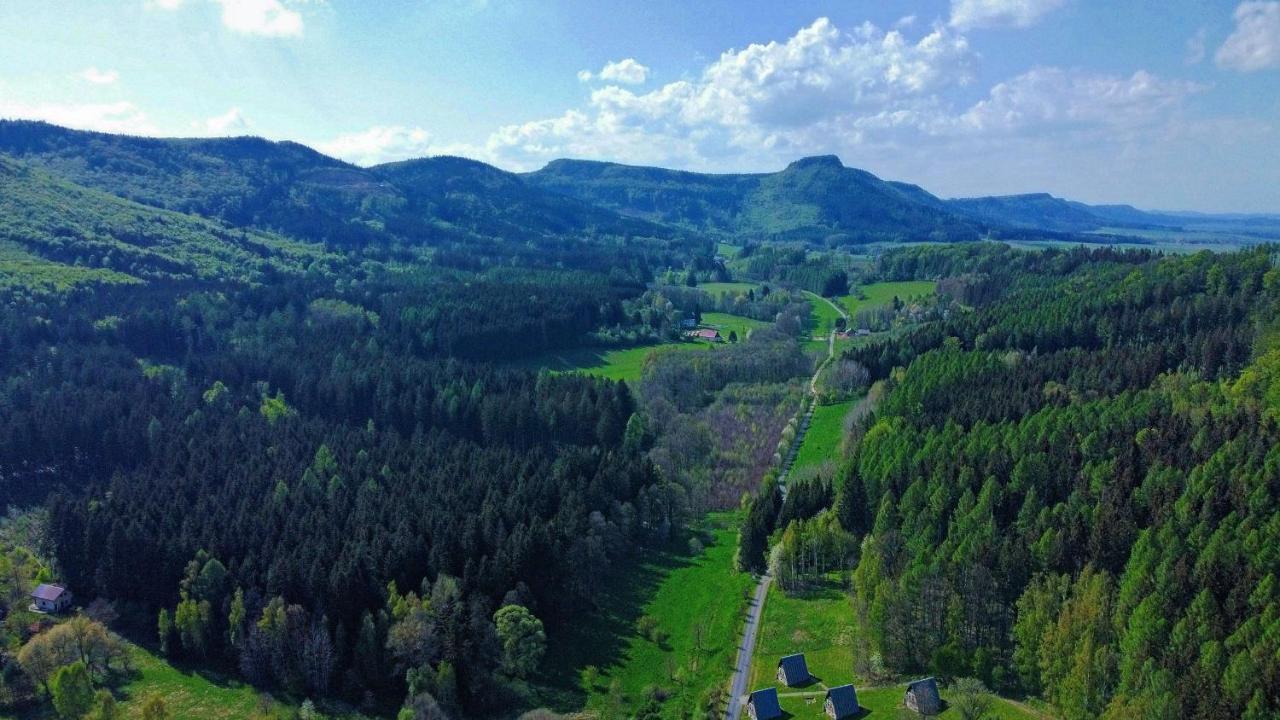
793	671
922	697
708	334
763	705
50	598
842	703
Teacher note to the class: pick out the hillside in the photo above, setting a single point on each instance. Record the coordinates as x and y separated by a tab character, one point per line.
815	198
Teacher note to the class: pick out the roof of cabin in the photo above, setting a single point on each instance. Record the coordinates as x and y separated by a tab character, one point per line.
766	704
48	592
844	699
794	667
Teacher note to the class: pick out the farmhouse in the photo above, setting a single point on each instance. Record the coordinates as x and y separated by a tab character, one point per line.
922	697
50	598
708	334
763	705
793	671
842	702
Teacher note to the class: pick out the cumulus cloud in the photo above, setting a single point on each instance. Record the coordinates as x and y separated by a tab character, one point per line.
265	18
967	14
626	71
772	97
231	122
99	77
1255	43
115	117
379	144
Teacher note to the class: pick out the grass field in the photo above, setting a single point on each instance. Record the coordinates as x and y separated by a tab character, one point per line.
622	364
728	288
823	315
820	625
883	293
724	322
685	594
822	441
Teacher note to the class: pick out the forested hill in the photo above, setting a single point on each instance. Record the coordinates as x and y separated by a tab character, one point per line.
292	189
815	198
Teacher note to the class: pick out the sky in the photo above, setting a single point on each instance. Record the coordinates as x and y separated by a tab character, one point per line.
1164	104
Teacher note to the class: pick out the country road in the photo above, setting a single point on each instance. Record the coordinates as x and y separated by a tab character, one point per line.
738	689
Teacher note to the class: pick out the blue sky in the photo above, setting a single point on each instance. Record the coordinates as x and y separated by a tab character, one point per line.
1168	105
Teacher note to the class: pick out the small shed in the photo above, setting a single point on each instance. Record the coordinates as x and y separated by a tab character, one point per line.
763	705
50	598
842	703
793	671
922	697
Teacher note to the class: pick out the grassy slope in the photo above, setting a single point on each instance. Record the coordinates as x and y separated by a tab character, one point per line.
724	322
624	364
882	293
823	315
728	288
820	625
822	440
681	592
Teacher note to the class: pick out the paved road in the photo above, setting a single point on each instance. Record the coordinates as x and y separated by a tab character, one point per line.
742	668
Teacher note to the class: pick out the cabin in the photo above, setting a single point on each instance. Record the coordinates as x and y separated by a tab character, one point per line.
793	671
708	334
842	703
763	705
50	598
922	697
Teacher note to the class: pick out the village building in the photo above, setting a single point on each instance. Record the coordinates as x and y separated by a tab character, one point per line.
793	671
708	334
922	697
764	705
842	703
50	598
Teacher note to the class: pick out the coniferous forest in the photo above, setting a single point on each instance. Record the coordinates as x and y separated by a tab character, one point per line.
291	421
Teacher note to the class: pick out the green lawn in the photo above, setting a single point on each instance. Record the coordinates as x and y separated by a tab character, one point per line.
823	315
727	250
622	364
728	288
822	441
883	293
820	625
685	593
724	322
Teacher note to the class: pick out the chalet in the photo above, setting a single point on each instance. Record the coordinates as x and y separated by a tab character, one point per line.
708	334
50	598
793	671
763	705
922	697
842	703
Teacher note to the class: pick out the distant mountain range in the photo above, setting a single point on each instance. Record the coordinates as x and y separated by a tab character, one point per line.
290	189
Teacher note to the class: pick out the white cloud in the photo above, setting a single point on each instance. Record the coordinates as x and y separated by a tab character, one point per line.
626	71
765	98
379	144
116	117
1043	99
994	13
1196	47
232	122
266	18
1255	44
99	77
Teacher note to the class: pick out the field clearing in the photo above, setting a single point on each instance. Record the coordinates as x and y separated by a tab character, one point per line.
822	315
724	322
820	625
684	593
878	294
822	441
728	288
620	364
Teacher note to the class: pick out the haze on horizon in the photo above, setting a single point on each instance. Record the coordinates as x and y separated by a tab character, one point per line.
1175	108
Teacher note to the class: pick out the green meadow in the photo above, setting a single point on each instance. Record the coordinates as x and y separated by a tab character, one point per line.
822	440
877	294
728	288
696	601
620	364
724	322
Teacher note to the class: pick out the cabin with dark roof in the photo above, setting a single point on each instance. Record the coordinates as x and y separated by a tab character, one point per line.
50	598
842	703
793	671
922	697
763	705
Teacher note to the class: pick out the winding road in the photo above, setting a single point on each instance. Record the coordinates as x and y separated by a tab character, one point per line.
755	610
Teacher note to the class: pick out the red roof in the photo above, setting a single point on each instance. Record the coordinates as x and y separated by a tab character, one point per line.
48	592
707	333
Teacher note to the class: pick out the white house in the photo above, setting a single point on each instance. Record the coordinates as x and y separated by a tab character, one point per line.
50	598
